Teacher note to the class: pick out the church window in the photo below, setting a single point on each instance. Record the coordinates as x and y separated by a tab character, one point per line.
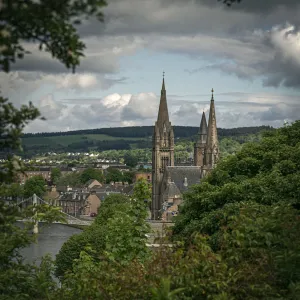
164	163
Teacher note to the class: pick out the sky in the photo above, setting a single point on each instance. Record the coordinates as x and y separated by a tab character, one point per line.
248	53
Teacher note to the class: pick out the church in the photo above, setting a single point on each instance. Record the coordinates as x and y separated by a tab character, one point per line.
169	182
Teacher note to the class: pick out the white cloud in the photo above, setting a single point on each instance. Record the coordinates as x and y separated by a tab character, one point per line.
141	109
77	80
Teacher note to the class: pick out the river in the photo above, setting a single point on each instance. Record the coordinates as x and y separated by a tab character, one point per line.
49	240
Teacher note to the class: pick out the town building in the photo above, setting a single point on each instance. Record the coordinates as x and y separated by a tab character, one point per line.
169	181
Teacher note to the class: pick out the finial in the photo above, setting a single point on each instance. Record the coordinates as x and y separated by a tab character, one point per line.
212	90
163	74
212	94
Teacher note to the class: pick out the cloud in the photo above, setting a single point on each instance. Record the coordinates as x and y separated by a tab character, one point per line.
140	107
272	55
232	109
257	6
101	56
246	40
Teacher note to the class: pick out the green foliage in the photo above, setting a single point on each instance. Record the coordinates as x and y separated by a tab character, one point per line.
128	176
14	190
12	122
34	185
55	175
58	36
44	213
266	172
94	235
259	259
118	233
91	173
25	21
71	179
130	160
115	143
113	175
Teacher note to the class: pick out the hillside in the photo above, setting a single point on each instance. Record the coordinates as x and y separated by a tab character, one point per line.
119	138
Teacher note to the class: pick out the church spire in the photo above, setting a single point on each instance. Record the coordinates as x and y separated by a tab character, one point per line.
212	144
203	125
163	114
212	136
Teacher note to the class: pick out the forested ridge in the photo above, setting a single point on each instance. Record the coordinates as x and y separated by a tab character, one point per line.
146	131
121	138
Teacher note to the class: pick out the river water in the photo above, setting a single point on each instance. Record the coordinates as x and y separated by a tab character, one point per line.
49	240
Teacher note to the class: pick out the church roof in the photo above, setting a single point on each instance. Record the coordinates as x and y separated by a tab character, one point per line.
184	176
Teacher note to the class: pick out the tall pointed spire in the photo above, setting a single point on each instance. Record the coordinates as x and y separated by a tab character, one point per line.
212	136
203	125
163	113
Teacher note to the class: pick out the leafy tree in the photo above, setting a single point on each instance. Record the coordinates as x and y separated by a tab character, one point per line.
94	235
113	175
58	36
258	260
128	177
26	21
266	172
13	190
119	231
130	160
12	122
70	179
91	173
34	185
55	175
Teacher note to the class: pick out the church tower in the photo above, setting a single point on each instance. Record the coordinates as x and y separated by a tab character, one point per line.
212	144
199	146
162	152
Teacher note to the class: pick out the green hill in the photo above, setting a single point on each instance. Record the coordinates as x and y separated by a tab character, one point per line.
119	138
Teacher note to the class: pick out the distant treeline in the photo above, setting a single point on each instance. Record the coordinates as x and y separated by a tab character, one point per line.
147	131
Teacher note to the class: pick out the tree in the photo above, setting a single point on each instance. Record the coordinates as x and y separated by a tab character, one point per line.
119	231
55	175
94	236
91	173
265	172
25	20
130	160
58	36
71	179
34	185
113	175
128	177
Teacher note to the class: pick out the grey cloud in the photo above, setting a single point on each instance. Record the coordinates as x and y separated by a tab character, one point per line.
141	107
272	55
279	112
243	109
43	62
256	6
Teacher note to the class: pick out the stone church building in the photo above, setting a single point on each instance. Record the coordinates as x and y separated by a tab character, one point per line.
170	181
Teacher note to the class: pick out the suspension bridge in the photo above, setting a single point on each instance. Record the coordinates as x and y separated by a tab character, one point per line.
35	200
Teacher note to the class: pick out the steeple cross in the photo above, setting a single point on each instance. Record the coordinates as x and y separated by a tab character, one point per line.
163	74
